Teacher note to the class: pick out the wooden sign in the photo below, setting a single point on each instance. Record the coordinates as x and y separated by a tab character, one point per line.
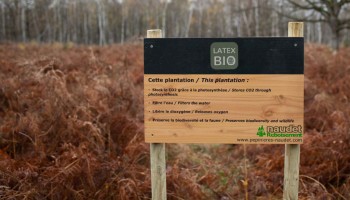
237	90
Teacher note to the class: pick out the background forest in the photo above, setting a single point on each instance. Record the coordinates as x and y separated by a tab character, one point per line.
116	21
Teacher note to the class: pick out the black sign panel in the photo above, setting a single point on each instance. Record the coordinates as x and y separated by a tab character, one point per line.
282	55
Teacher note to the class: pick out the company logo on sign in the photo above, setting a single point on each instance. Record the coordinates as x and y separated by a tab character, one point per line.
224	55
281	131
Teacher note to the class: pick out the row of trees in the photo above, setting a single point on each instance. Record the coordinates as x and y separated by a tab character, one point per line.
109	21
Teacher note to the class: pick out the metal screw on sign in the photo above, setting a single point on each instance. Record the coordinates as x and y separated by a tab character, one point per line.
151	46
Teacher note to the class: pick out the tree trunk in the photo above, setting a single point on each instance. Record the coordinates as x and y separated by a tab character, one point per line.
75	21
34	16
123	26
273	25
60	33
100	22
209	24
3	22
23	22
48	26
90	32
164	18
277	25
175	17
64	35
54	23
335	32
228	19
308	32
256	4
237	20
104	25
157	15
245	18
200	19
148	18
335	40
188	26
136	19
319	30
86	37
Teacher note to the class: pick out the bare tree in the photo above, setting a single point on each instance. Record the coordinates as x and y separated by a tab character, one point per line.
23	20
200	8
108	21
123	13
188	25
101	19
228	18
245	18
256	5
329	12
3	21
209	31
238	21
165	7
48	23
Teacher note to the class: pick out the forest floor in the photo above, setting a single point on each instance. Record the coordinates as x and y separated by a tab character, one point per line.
71	127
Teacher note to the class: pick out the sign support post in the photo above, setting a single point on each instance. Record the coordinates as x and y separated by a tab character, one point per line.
292	151
158	170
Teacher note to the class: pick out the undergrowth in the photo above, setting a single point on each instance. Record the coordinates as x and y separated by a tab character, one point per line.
71	127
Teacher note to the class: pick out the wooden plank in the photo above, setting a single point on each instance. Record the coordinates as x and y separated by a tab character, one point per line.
295	29
292	151
284	101
291	171
158	165
173	65
158	171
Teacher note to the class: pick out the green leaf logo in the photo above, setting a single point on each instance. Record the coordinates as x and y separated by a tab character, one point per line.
261	131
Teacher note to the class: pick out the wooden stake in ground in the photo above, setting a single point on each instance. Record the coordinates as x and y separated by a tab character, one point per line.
158	173
292	151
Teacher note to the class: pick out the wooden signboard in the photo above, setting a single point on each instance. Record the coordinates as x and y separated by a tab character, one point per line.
257	79
236	90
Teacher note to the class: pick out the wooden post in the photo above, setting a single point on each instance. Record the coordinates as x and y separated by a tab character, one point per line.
158	170
292	151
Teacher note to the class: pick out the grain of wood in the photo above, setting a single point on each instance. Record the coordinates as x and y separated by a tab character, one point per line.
292	151
155	33
295	29
285	101
158	170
